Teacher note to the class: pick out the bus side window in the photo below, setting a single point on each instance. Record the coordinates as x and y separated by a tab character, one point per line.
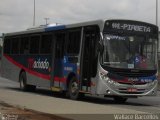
46	43
15	45
34	44
7	46
60	43
73	42
24	48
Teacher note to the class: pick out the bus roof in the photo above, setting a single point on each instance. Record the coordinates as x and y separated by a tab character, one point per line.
48	28
100	23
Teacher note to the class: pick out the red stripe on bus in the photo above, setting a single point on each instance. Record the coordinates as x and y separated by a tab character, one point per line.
47	77
60	79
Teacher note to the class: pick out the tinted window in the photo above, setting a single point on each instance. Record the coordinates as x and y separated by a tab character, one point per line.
46	44
15	45
7	46
24	49
73	42
34	44
60	43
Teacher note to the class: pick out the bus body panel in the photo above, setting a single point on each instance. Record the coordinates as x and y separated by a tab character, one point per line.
130	76
48	71
37	81
9	70
112	88
34	66
63	68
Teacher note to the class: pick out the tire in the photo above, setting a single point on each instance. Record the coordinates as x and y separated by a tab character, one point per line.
73	89
119	99
23	83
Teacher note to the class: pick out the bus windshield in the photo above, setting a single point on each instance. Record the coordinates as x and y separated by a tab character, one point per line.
129	52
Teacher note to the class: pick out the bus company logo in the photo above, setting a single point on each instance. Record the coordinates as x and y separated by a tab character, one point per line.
133	80
38	64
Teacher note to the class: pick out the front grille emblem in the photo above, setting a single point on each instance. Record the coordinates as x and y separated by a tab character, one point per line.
132	80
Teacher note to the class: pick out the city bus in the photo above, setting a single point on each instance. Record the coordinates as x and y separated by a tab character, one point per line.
111	58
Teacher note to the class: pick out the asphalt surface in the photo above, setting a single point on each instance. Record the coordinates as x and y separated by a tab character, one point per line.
47	102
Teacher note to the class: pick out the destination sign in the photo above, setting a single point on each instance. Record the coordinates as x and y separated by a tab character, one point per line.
131	27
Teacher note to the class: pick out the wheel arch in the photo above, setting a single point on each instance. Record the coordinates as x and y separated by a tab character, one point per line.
69	77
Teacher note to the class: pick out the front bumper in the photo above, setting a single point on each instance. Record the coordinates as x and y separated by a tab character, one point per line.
118	89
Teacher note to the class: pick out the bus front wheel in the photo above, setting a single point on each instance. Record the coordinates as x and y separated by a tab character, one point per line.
73	89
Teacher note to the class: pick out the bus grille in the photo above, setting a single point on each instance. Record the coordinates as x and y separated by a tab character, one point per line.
133	83
125	91
133	74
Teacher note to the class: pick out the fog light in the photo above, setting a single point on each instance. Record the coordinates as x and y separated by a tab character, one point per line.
108	92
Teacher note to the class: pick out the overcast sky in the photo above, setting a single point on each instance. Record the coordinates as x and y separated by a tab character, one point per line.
16	15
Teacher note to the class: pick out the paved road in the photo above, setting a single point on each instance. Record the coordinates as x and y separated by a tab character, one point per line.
44	101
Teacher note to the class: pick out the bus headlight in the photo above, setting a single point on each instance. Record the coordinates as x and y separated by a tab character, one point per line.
112	82
107	79
103	76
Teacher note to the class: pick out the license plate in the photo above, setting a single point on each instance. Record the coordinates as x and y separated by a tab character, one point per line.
132	90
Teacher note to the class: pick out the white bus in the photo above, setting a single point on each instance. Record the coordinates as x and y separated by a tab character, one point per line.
113	58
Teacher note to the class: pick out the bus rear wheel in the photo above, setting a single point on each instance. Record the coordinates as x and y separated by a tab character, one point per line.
23	83
73	89
119	99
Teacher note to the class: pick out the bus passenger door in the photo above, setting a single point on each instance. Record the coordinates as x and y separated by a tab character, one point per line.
89	57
